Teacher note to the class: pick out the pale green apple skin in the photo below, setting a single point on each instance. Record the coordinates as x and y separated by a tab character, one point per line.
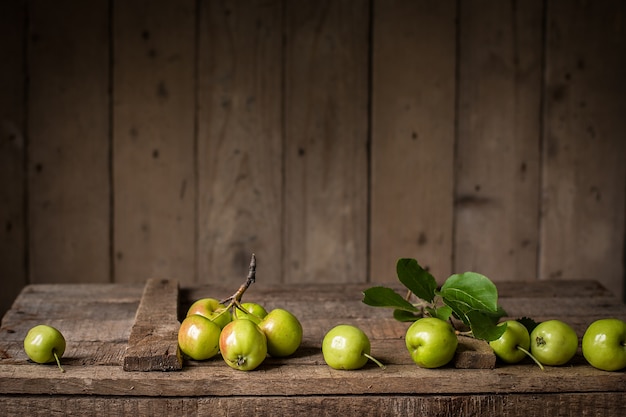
42	341
283	331
604	344
344	347
243	345
212	310
431	342
505	347
255	312
198	337
553	342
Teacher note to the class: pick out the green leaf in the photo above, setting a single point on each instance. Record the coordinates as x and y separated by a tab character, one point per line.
484	326
402	315
419	281
470	291
442	313
386	297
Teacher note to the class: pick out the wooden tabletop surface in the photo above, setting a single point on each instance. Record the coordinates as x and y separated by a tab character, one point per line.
97	320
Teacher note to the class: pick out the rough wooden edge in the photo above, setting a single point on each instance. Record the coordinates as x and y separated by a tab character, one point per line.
474	354
153	341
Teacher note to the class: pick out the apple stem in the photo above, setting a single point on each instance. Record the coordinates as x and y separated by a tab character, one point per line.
530	356
373	359
235	299
54	352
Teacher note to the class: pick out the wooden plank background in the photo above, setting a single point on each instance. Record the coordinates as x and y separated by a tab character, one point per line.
171	139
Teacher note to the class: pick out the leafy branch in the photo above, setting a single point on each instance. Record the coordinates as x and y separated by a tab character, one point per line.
469	297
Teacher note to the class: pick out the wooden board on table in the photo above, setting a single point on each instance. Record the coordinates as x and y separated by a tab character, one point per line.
412	124
153	340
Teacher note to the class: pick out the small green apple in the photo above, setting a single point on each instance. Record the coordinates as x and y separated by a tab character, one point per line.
198	337
212	310
514	344
254	312
553	342
44	344
510	346
283	332
347	347
431	342
243	345
604	344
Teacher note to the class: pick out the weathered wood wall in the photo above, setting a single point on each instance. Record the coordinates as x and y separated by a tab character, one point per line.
173	138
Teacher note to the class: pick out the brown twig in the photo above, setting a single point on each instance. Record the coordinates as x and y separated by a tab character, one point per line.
235	299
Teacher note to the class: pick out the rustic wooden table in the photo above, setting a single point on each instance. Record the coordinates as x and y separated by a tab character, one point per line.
99	320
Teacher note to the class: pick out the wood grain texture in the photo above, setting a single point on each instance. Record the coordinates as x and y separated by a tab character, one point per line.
326	79
153	340
12	151
498	146
68	142
584	175
547	405
153	140
412	156
240	170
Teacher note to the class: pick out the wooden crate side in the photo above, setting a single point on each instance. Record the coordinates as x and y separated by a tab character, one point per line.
325	107
12	151
239	141
498	145
153	140
68	141
583	182
412	156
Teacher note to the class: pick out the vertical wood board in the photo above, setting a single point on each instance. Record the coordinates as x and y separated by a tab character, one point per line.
326	191
12	151
153	140
413	115
68	141
584	175
498	144
239	140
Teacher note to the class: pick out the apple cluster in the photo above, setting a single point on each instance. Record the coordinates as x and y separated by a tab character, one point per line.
243	338
554	343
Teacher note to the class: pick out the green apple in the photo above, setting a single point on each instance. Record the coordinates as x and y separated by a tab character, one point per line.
511	346
604	344
431	342
553	342
198	337
346	347
514	344
254	312
243	345
212	310
44	344
283	332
